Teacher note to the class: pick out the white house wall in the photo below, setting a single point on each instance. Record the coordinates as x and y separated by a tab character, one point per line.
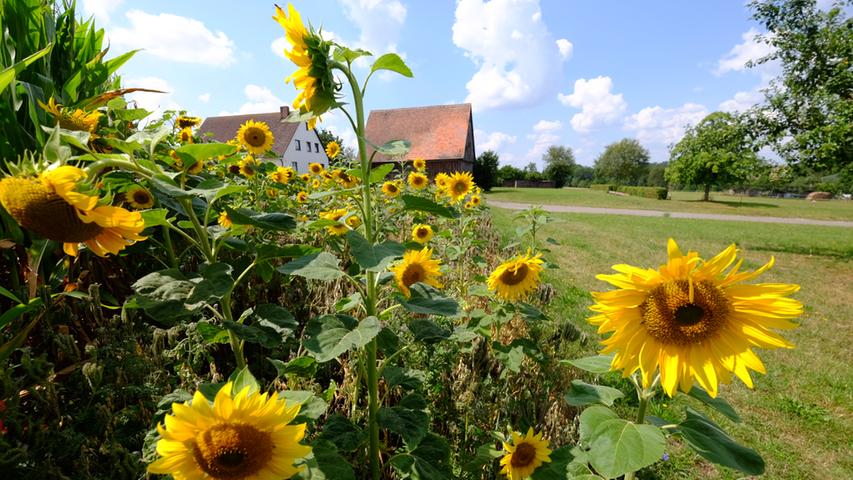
298	154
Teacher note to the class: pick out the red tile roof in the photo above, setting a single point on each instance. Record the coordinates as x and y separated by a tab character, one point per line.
436	132
225	128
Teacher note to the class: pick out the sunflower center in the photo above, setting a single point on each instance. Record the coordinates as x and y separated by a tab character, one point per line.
459	188
413	274
255	136
42	211
523	455
141	197
514	276
684	313
422	232
392	188
232	450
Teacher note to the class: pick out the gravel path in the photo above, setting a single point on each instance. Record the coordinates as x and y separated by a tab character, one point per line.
658	213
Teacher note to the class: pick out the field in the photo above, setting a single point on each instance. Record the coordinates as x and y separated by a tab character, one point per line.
682	202
799	416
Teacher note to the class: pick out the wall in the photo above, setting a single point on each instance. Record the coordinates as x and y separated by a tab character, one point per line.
303	156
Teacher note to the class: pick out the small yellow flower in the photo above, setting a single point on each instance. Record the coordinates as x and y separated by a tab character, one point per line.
315	168
234	169
419	164
224	220
417	266
248	166
391	188
315	184
78	120
272	193
335	215
196	168
139	198
353	221
305	178
187	122
282	175
442	180
421	233
517	277
524	455
255	136
186	135
302	197
418	180
333	149
347	180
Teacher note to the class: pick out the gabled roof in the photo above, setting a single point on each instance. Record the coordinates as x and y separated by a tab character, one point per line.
225	128
436	132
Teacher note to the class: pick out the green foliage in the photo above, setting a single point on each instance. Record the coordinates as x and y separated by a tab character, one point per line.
486	170
716	151
625	162
602	187
659	193
559	164
508	172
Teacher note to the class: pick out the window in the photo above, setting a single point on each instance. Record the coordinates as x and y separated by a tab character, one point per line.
299	145
317	147
294	166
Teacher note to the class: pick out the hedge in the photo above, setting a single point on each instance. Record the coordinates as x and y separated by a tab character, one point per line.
604	187
647	192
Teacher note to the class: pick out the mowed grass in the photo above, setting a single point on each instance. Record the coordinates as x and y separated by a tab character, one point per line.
799	415
682	202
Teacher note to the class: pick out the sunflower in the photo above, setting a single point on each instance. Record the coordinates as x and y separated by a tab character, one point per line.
333	149
419	164
421	233
78	120
525	455
417	266
241	436
224	220
316	184
475	200
391	189
139	197
347	180
313	79
51	206
335	216
516	278
255	136
248	166
234	169
186	135
272	193
282	175
196	167
441	180
315	168
458	185
187	122
305	178
692	319
302	197
418	180
353	221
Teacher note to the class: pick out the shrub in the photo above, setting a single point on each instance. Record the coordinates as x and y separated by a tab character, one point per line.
647	192
603	187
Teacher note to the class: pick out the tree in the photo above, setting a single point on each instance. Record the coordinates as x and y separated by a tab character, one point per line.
717	151
508	172
559	164
625	162
808	116
656	177
486	170
326	137
582	176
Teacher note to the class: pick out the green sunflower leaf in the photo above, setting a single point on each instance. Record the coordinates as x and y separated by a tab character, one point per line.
393	62
429	301
598	364
269	221
325	463
420	204
581	393
717	404
618	446
715	445
329	336
318	266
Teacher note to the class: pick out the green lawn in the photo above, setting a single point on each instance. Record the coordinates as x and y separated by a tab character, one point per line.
682	202
799	415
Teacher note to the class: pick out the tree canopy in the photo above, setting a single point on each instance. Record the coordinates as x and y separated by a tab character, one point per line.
486	170
559	164
717	151
625	162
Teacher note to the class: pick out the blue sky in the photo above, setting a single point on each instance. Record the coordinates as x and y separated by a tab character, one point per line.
538	72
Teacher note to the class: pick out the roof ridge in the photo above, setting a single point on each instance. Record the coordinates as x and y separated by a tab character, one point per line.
422	107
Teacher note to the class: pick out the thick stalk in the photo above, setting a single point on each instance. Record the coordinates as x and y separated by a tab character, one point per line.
644	395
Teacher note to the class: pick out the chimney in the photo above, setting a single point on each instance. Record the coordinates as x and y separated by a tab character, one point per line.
285	111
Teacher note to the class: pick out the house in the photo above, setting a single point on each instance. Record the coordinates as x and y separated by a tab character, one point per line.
443	135
294	144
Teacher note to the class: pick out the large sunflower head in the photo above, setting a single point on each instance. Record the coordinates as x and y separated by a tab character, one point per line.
315	168
391	188
419	164
346	180
692	318
516	278
524	455
255	136
186	135
459	184
77	119
139	197
186	122
417	266
335	216
333	149
313	79
248	166
421	233
417	180
244	436
52	206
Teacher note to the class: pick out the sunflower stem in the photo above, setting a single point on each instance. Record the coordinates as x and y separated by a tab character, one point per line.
644	395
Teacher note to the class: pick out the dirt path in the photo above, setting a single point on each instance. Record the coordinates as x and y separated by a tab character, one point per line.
658	213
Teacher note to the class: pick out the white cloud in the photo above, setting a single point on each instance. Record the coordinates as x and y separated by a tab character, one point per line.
742	101
260	100
101	9
204	97
749	49
379	21
598	106
518	60
664	125
547	126
156	103
492	141
175	38
566	48
541	142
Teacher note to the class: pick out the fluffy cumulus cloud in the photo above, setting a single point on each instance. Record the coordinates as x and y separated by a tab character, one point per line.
204	98
156	103
599	106
101	9
494	141
659	125
518	60
748	50
259	100
379	22
566	48
547	126
540	142
174	38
